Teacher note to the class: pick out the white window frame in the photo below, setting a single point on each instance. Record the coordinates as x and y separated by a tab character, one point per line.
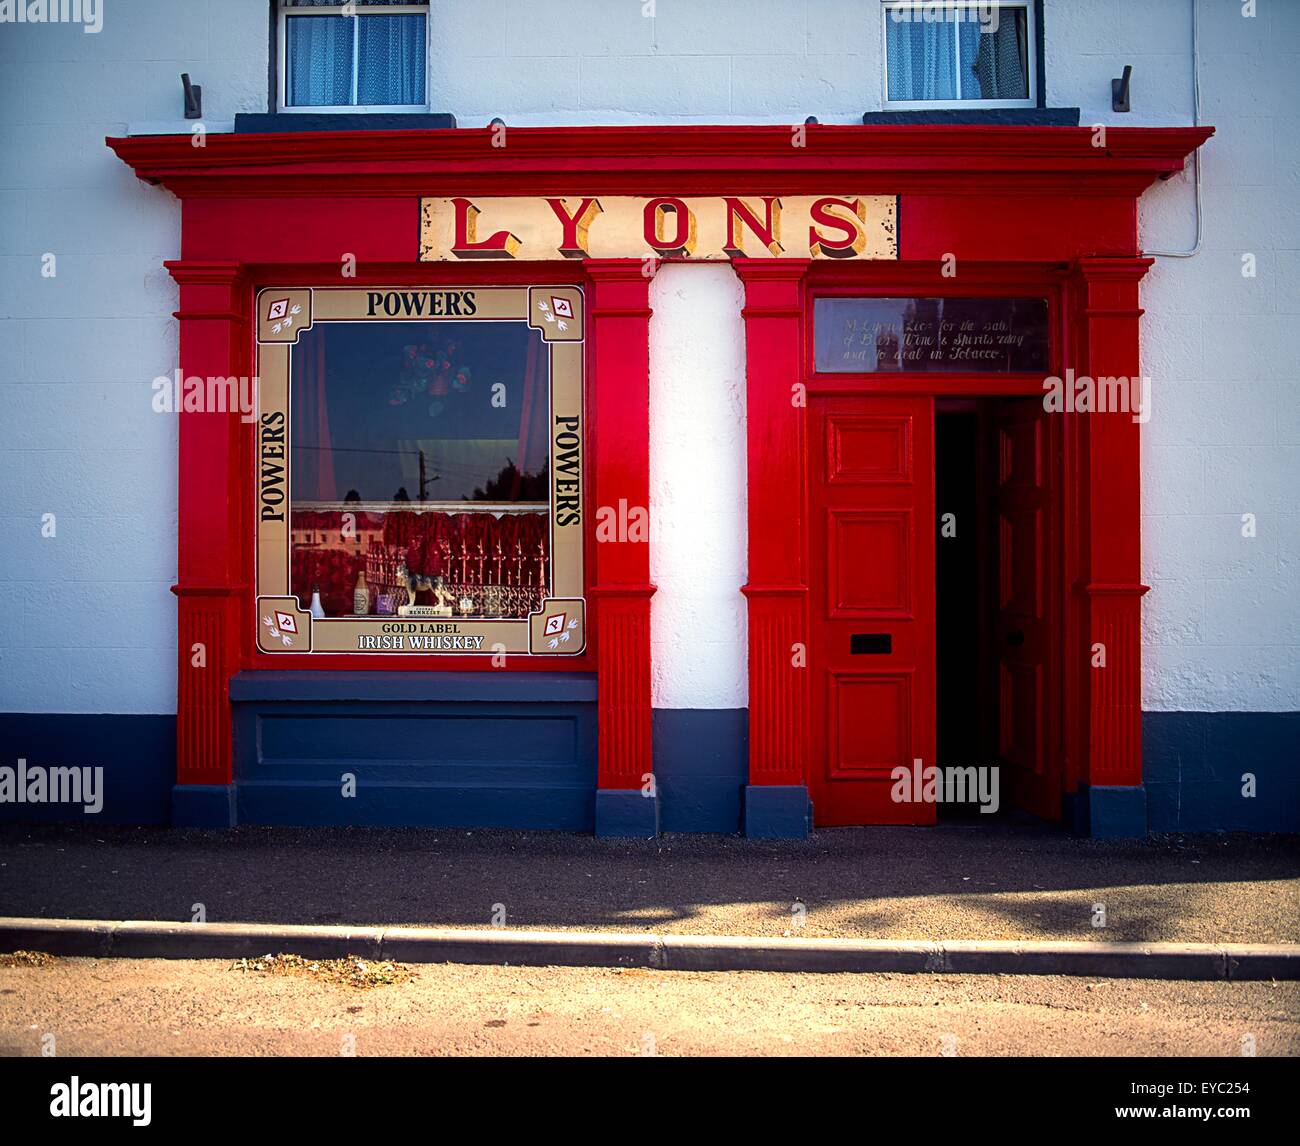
282	46
1031	32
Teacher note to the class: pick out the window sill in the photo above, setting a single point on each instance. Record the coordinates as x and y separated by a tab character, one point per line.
268	123
1003	116
532	687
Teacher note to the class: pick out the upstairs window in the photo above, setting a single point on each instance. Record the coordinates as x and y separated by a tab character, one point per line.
950	53
365	56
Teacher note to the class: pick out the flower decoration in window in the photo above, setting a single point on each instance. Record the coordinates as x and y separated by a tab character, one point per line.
434	369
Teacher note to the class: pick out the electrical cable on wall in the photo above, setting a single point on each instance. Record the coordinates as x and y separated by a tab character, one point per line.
1196	155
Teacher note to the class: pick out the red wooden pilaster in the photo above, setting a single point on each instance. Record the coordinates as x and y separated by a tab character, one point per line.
619	401
213	466
1108	314
777	589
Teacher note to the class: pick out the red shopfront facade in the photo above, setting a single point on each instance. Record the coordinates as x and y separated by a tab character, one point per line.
292	243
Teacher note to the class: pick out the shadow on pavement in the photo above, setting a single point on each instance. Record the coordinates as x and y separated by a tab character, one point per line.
947	882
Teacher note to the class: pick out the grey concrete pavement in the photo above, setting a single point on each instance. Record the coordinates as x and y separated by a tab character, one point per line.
133	1007
953	882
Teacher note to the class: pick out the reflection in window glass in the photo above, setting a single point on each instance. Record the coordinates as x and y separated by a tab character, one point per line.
930	335
419	467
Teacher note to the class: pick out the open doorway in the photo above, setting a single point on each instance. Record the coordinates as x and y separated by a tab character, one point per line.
997	465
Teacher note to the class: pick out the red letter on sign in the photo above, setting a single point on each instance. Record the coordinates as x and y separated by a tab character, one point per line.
502	245
855	239
574	243
683	242
768	232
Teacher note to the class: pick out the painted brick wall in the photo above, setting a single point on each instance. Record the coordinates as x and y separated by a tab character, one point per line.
697	489
91	623
1222	620
77	352
658	61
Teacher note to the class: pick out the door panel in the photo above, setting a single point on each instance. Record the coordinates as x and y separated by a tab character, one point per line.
870	563
1028	441
871	549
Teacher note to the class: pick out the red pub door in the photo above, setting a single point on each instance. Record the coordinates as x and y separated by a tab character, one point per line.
872	655
1028	445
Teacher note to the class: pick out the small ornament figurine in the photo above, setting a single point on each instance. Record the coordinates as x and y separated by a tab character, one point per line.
443	597
361	596
316	609
413	582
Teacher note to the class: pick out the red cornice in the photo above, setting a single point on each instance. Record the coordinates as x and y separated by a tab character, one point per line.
1121	269
651	160
186	271
771	269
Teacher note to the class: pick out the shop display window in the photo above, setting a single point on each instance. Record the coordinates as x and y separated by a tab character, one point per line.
420	460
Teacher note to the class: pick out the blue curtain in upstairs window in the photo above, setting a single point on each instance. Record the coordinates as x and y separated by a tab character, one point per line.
318	53
391	60
921	59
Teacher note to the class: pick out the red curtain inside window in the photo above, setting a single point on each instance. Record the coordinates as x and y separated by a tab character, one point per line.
313	471
532	418
464	548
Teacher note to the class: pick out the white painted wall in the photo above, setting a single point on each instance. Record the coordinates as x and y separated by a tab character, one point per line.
90	622
77	353
658	61
1222	620
697	489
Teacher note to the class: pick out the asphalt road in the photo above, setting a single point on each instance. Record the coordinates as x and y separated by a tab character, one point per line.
956	881
161	1007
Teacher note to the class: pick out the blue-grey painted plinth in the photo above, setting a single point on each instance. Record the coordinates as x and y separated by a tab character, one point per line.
203	806
626	813
379	804
777	812
1221	771
137	754
1111	813
701	765
319	686
432	749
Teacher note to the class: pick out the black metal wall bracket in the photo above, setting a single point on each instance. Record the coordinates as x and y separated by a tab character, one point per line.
1119	90
193	97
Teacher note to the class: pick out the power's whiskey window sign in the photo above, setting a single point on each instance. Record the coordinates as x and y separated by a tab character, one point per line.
420	470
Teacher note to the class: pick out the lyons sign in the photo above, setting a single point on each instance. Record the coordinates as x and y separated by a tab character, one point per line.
667	227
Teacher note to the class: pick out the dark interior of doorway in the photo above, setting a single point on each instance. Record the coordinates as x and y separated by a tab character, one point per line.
966	591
